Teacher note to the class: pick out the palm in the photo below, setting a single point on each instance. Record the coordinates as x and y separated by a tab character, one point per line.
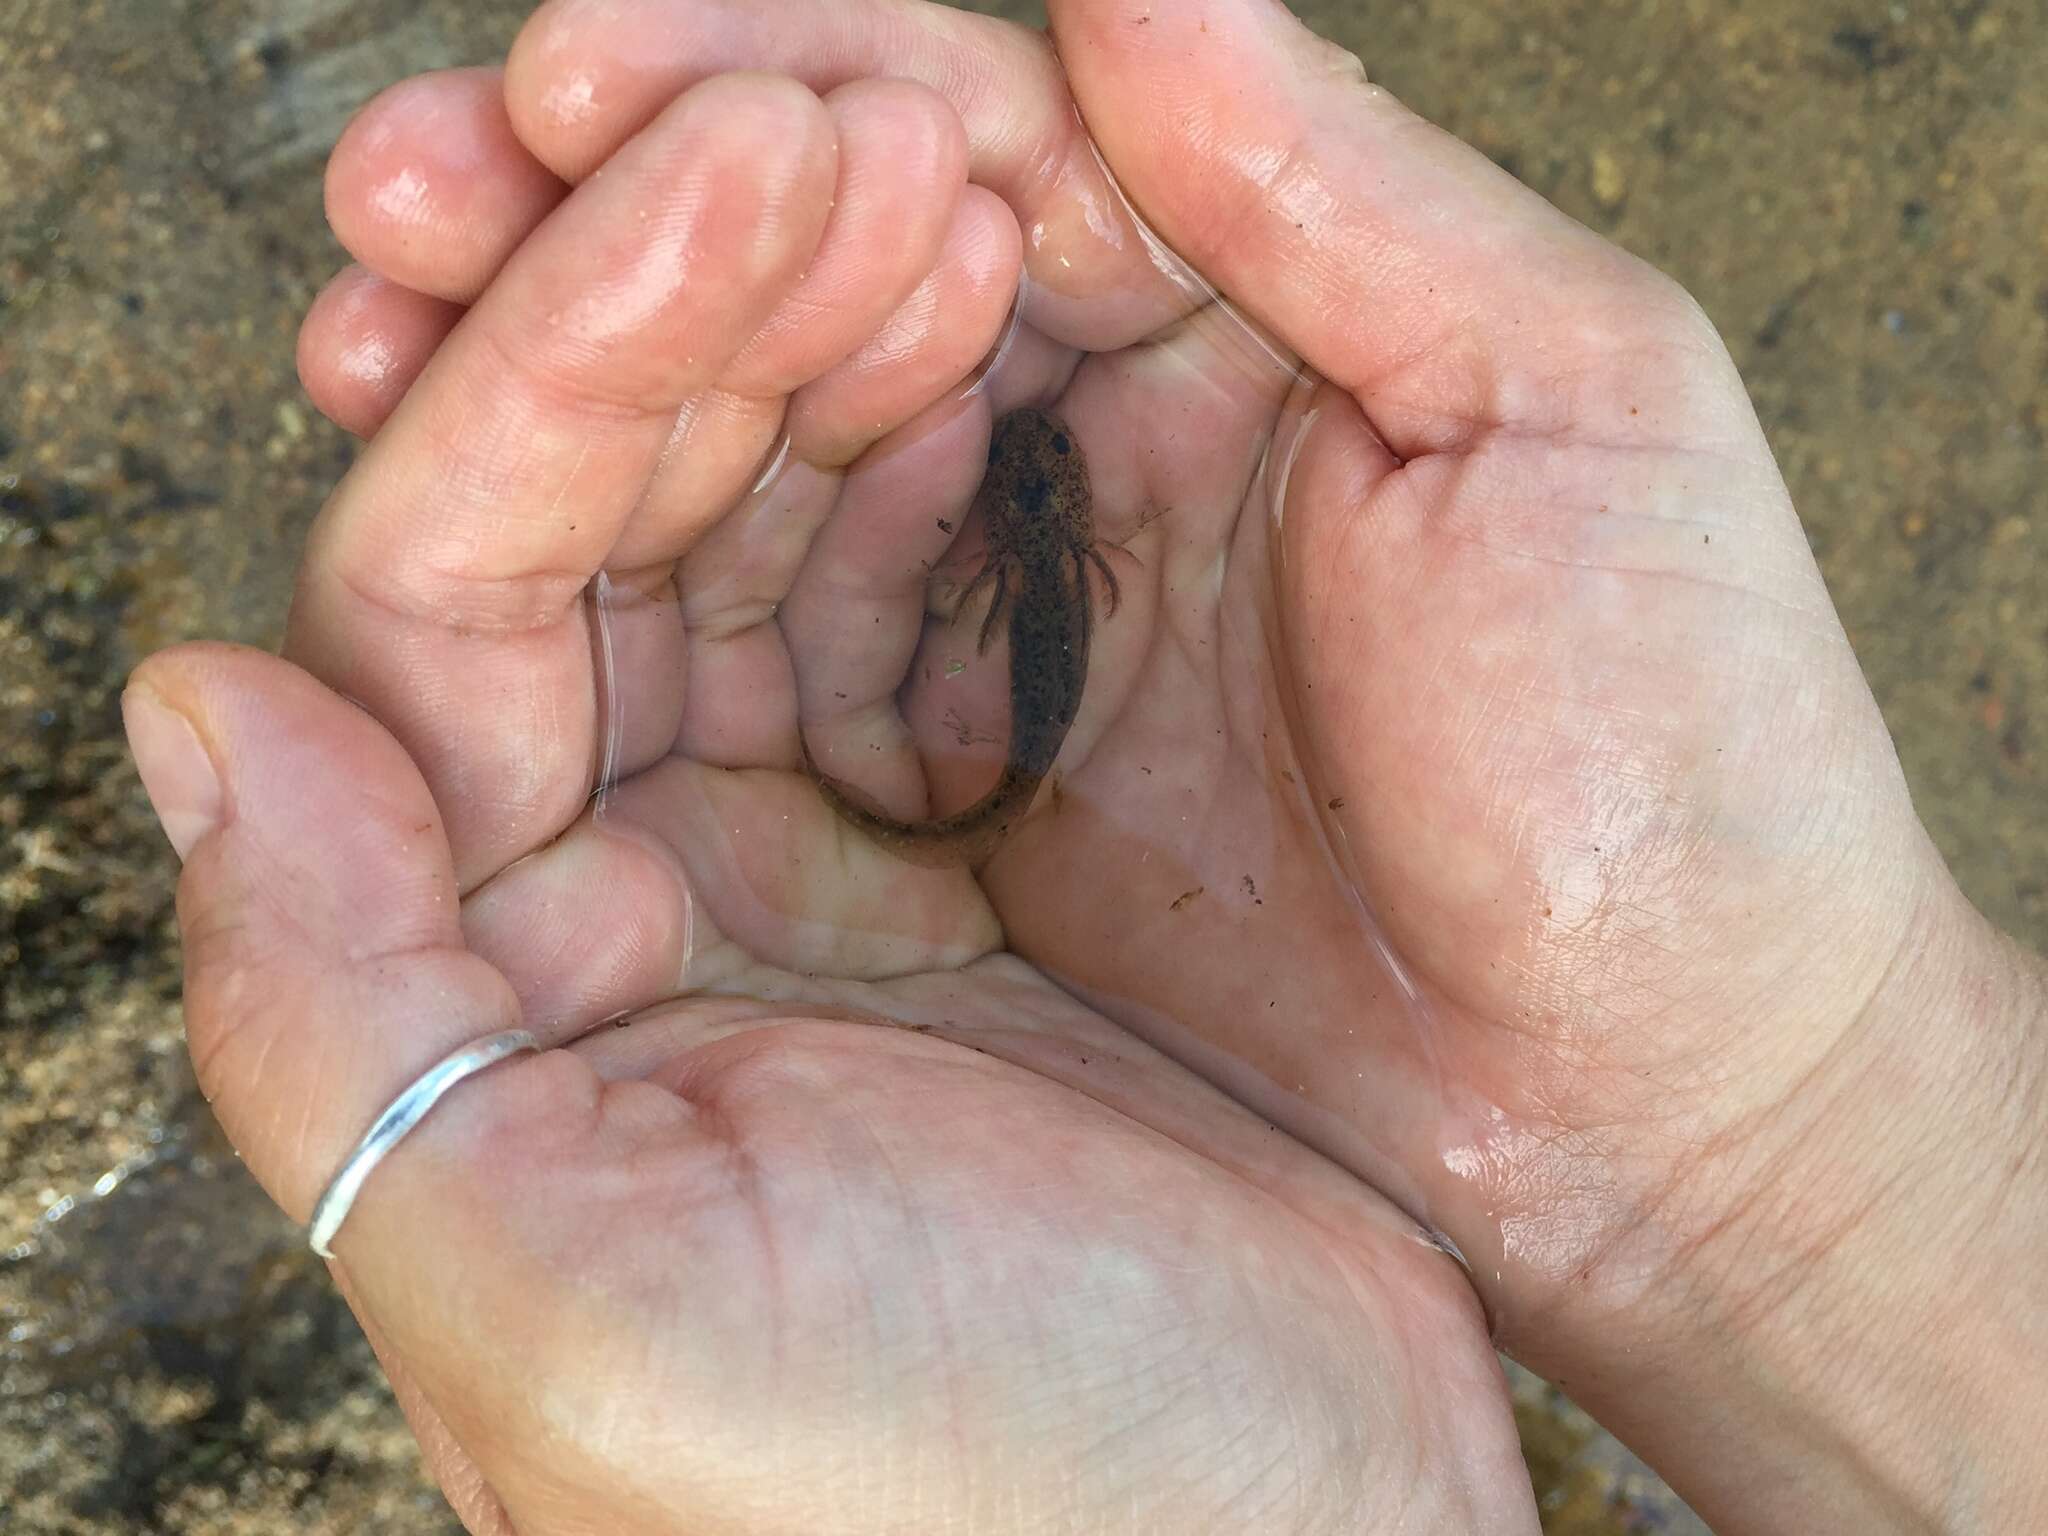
1045	1243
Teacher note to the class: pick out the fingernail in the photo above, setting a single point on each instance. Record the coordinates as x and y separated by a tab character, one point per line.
175	768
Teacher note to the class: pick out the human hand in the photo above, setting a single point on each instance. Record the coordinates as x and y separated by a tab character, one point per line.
852	1226
1695	989
1606	1094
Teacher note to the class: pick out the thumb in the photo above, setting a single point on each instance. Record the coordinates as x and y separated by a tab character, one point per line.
1398	261
324	962
324	972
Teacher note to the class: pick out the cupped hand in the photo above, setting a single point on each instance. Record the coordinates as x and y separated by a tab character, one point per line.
827	1214
1474	779
1527	677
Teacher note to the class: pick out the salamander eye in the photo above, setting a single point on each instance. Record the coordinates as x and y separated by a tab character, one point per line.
1062	444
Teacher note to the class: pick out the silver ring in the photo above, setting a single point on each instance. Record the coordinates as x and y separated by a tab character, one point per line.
392	1127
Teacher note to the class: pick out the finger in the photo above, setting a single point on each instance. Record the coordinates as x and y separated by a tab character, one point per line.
695	878
443	585
429	186
585	74
599	923
731	587
1399	261
363	342
902	169
856	611
901	176
930	345
324	962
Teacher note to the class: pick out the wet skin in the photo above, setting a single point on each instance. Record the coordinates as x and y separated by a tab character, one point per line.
1039	518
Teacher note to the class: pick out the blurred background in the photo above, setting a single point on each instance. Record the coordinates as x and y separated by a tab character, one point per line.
1857	192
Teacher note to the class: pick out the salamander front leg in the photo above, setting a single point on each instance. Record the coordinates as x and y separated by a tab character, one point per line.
1094	557
999	571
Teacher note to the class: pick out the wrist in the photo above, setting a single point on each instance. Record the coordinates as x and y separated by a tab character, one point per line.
1857	1336
1904	1240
